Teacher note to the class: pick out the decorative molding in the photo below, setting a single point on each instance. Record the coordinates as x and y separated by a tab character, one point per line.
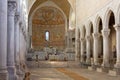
82	39
106	33
12	7
96	35
17	17
88	37
117	27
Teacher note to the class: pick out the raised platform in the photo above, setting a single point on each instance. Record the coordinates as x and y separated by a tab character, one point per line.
52	64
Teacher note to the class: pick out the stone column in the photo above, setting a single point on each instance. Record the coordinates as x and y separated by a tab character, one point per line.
96	48
17	46
10	40
3	40
77	49
106	51
117	28
88	38
82	49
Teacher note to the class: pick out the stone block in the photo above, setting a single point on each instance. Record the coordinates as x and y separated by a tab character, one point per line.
99	70
90	68
112	73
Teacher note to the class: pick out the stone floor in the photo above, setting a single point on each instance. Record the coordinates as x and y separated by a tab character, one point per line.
46	73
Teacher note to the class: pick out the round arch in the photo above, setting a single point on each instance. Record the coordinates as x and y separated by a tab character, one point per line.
43	5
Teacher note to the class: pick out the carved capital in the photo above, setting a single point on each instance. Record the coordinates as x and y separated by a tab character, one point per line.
106	33
17	17
78	40
117	27
96	35
12	6
88	37
82	39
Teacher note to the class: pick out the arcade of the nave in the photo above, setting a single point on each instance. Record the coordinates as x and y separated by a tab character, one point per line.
59	40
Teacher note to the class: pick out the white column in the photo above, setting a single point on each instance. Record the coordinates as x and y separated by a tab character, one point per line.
106	51
88	38
82	49
10	42
3	39
17	45
77	49
96	47
117	28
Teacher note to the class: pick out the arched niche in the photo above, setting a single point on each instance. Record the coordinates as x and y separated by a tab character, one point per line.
91	39
112	40
100	27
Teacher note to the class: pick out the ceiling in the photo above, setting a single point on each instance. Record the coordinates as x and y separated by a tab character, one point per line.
63	4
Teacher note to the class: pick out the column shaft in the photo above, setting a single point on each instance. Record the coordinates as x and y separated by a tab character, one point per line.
88	49
106	50
17	46
117	27
77	47
10	42
96	47
3	40
82	50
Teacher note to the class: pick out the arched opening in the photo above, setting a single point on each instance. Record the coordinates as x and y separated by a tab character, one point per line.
84	36
91	40
112	42
78	45
100	55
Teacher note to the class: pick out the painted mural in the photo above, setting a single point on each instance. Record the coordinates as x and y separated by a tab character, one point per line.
48	19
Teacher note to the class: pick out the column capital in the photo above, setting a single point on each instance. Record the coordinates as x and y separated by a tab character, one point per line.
17	17
77	40
117	27
96	35
88	37
105	32
82	39
12	6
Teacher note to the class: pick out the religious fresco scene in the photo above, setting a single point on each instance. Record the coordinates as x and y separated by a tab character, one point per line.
48	29
59	39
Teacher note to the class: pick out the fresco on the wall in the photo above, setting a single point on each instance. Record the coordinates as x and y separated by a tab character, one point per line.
48	19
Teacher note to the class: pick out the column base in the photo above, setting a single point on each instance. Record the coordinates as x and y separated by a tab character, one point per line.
105	64
20	75
88	61
3	74
77	58
12	73
117	65
96	63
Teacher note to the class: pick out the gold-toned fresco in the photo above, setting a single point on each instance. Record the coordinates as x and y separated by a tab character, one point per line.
48	19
